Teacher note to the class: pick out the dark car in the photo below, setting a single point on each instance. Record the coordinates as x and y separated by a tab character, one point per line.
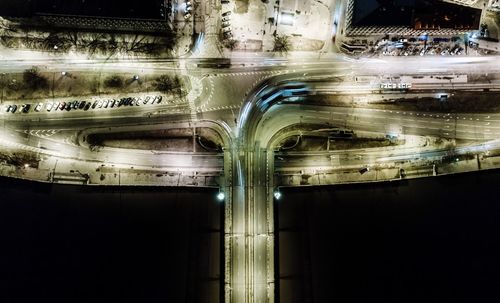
364	170
82	105
94	105
87	106
26	108
13	108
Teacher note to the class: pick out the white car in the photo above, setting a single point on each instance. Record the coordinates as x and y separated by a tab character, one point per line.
187	16
49	106
105	104
38	107
99	104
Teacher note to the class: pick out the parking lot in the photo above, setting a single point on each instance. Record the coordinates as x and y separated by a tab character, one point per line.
74	105
411	46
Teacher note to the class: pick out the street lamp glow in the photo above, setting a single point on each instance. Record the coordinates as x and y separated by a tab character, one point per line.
277	195
221	196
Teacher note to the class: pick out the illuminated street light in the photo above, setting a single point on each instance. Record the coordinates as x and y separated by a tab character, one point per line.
277	194
221	196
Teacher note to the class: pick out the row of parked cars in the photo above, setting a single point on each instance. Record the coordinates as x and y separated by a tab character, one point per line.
85	105
226	25
188	10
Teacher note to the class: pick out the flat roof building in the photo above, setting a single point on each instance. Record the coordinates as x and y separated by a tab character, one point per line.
410	17
116	15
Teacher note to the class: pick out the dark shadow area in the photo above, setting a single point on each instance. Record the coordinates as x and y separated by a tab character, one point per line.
149	9
427	240
87	244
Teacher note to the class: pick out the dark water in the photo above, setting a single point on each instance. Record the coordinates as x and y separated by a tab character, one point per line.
428	240
73	244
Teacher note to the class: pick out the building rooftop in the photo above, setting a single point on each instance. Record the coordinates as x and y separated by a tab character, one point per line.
419	14
144	9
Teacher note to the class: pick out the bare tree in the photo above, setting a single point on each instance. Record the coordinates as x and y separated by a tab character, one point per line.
281	44
230	44
33	80
167	83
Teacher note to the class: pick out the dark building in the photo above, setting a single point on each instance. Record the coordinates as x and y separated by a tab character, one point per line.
121	15
417	14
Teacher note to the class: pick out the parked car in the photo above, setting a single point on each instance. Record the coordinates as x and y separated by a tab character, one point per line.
62	105
13	108
87	106
226	13
38	107
25	108
94	105
49	106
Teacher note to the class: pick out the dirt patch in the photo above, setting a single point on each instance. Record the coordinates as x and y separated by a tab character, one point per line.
20	159
175	139
459	102
79	84
324	143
